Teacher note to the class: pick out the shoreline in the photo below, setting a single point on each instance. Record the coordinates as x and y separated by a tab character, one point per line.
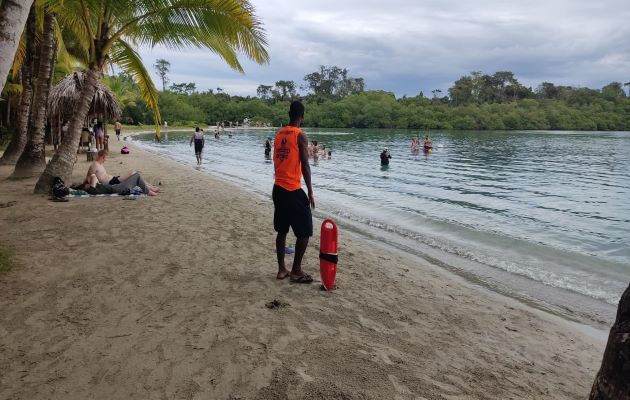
595	315
166	298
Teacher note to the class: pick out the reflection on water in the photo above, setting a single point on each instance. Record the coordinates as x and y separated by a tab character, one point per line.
549	206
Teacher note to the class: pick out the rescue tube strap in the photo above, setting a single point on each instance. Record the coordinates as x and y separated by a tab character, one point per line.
333	258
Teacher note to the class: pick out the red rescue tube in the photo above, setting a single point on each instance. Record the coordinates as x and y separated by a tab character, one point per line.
328	254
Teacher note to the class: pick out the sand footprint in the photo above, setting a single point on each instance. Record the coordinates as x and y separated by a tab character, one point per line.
301	370
402	391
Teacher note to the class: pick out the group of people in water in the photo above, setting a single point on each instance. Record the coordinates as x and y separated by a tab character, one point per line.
427	145
315	150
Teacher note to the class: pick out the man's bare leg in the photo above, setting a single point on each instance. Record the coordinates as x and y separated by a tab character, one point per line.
281	240
300	249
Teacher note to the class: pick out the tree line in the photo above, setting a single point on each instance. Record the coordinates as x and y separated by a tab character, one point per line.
334	99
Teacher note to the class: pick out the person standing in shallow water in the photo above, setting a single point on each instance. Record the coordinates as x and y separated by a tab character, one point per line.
385	156
292	207
268	148
198	139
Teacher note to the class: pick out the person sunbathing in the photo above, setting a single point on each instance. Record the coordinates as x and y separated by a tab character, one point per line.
93	186
97	170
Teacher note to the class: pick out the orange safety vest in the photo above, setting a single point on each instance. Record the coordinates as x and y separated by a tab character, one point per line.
286	158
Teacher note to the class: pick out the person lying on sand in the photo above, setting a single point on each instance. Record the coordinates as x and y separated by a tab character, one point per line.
93	186
97	169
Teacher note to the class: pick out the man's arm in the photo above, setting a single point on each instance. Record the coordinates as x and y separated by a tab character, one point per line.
306	168
90	172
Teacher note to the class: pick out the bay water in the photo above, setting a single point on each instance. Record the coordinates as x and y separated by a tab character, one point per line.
543	216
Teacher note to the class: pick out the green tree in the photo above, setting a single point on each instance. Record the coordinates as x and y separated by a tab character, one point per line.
264	91
285	90
332	83
612	91
162	67
108	28
462	91
184	88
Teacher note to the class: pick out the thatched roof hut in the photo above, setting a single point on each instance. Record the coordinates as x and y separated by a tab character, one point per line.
64	96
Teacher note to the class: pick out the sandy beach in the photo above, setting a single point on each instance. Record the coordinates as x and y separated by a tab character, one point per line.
165	298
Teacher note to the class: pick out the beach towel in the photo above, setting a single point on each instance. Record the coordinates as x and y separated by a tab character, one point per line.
135	192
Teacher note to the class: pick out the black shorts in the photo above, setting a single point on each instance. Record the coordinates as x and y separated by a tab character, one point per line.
292	209
114	181
198	146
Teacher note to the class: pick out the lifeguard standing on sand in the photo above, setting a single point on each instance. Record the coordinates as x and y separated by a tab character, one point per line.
292	207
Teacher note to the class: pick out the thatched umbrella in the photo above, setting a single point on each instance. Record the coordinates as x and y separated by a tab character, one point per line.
65	95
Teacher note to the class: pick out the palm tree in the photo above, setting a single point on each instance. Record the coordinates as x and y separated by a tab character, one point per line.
24	63
32	161
110	29
162	67
13	16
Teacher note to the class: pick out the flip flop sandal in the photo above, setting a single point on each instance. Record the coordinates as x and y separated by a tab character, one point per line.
284	277
306	278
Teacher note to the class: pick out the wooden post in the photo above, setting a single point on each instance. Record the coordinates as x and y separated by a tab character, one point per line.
613	379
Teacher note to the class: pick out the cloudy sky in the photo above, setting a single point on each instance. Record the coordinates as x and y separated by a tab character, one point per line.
407	46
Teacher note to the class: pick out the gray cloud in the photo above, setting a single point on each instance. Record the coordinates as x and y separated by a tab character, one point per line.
407	46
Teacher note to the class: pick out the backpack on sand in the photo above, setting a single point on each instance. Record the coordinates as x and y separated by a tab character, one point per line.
59	190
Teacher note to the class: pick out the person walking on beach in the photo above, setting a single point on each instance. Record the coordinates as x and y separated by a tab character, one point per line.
118	127
198	139
292	207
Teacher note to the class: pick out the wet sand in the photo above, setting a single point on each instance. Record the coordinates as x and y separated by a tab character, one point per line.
166	298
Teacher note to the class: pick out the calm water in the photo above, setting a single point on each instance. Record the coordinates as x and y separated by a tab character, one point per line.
526	212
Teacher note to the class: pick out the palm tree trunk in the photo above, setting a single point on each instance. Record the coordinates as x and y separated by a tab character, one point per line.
33	159
13	16
64	159
611	382
19	139
16	146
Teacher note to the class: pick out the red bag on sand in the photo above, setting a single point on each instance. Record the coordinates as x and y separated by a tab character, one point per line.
328	254
124	150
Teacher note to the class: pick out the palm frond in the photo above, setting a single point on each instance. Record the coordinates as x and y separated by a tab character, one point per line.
20	56
11	89
129	61
225	27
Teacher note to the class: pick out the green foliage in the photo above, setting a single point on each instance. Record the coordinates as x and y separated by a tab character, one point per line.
332	83
481	102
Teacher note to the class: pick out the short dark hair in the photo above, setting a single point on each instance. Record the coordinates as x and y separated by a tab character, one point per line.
296	110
